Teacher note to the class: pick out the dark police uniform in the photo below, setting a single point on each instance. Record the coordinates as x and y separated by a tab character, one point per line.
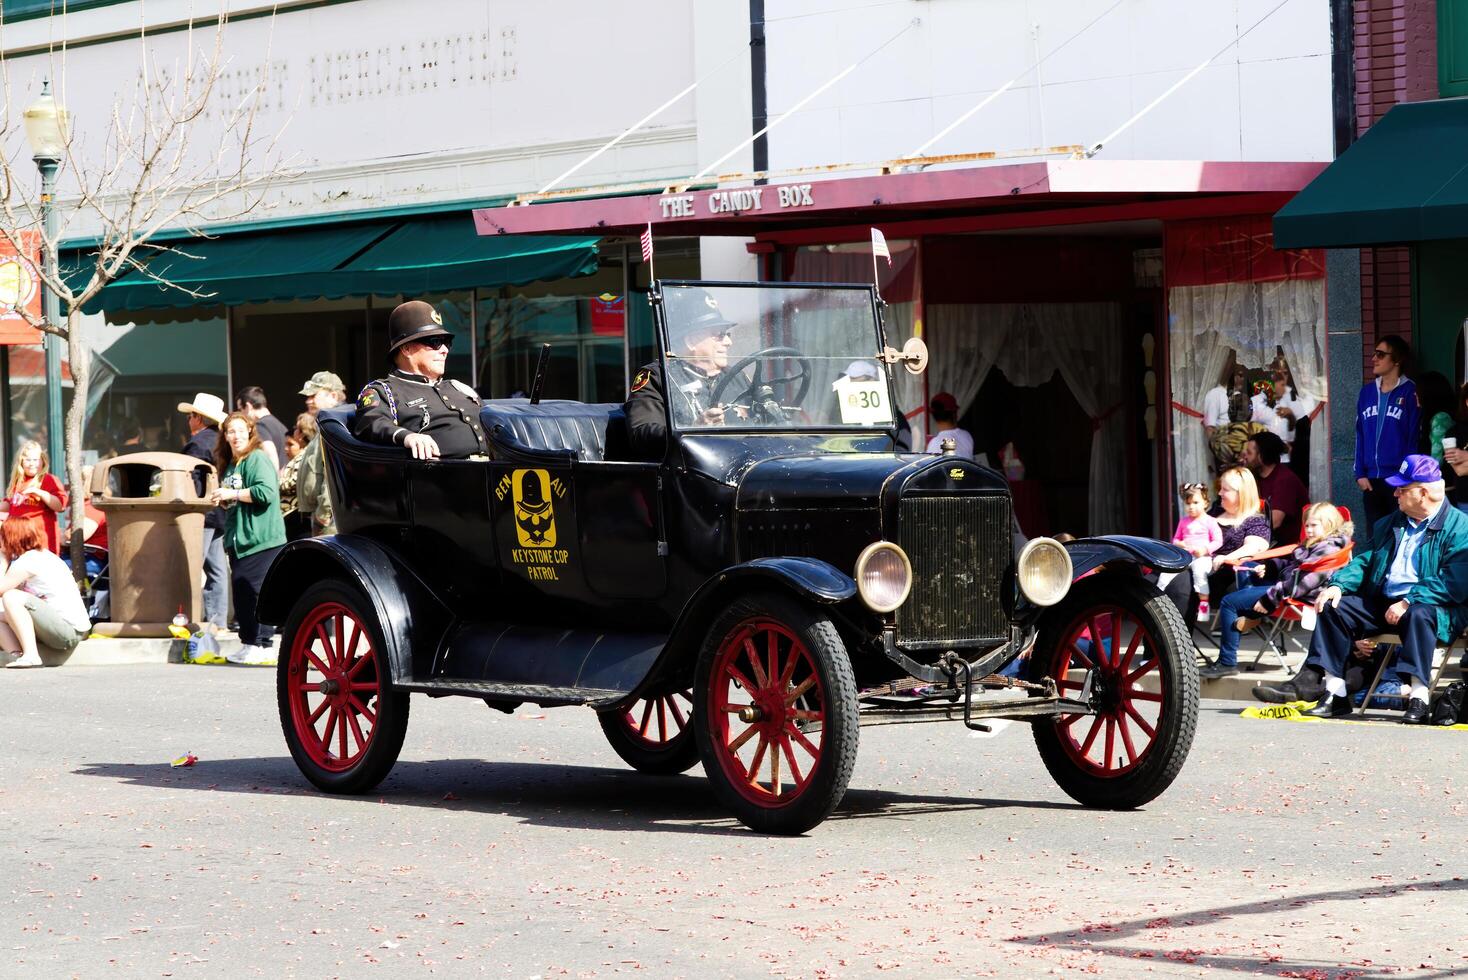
691	312
647	423
402	404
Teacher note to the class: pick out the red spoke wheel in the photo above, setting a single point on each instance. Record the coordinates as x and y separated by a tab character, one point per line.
655	734
342	720
777	713
1120	645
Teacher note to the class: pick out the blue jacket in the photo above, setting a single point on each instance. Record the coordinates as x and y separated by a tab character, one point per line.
1442	567
1381	444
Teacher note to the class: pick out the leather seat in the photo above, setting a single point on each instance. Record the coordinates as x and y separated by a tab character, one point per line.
590	431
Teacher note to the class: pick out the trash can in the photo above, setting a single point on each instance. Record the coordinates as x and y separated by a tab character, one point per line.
155	534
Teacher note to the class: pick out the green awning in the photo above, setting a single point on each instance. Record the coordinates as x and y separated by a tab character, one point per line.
401	256
1406	180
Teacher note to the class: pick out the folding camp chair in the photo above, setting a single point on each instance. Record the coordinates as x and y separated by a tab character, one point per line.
1441	657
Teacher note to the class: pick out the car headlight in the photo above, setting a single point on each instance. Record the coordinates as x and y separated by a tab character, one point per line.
1044	571
883	576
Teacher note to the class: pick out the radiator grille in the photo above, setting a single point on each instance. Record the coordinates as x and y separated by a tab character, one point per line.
960	550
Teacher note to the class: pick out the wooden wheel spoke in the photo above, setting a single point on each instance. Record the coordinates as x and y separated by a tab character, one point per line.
1098	646
795	773
333	715
1126	739
320	708
341	734
1091	735
1139	695
1141	722
1066	721
802	715
754	664
326	648
775	769
744	736
341	645
795	693
316	662
1076	651
805	743
1110	741
754	766
646	717
773	671
734	709
362	709
1116	637
1131	650
662	721
678	718
1146	668
357	735
740	679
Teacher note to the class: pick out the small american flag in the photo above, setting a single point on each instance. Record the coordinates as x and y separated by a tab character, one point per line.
879	247
647	243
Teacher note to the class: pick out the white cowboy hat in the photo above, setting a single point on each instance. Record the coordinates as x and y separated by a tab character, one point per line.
207	405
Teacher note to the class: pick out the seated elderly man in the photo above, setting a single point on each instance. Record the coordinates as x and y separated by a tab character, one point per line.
1412	579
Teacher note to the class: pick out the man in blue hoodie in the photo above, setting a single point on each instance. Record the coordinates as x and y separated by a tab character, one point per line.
1386	427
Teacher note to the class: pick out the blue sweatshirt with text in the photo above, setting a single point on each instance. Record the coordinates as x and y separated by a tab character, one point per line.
1384	439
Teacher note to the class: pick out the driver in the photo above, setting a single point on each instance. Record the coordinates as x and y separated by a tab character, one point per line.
700	337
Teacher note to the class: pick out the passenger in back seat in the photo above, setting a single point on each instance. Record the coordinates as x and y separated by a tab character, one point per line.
415	406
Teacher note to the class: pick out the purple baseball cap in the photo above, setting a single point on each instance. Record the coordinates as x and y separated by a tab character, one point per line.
1416	469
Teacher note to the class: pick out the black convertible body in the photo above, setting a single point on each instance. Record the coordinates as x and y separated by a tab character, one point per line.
750	600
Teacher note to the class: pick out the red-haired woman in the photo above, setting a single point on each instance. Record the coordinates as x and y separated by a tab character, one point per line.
39	601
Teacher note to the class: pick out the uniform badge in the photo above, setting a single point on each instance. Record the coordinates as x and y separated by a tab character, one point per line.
369	397
437	317
640	379
535	518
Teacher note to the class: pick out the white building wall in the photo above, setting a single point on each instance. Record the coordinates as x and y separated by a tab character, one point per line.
1265	98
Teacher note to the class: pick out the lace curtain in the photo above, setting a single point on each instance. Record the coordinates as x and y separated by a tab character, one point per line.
1251	319
1030	342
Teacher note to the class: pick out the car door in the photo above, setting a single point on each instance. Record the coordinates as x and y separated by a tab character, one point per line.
620	534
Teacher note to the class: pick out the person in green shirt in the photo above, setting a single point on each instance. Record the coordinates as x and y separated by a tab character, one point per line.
254	531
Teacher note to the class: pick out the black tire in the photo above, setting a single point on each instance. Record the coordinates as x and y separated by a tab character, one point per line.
351	684
815	684
1131	776
654	735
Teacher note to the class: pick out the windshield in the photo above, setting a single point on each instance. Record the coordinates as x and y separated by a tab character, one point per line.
772	356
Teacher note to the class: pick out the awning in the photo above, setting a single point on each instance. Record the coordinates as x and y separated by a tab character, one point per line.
844	208
401	256
1406	180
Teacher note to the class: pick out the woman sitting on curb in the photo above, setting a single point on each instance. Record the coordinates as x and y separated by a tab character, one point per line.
1326	533
39	600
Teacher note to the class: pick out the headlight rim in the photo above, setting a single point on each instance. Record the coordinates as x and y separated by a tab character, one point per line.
861	562
1034	544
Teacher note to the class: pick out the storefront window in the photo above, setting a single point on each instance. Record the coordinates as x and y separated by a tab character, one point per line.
140	373
23	367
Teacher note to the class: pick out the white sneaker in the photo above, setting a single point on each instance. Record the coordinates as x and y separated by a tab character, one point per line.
253	656
29	660
242	655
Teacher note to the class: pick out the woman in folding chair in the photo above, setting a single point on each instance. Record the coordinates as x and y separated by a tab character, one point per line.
1304	569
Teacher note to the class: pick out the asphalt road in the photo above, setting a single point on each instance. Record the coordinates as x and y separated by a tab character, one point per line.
521	846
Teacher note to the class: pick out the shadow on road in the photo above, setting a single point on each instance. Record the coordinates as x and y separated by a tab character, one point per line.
1102	937
545	794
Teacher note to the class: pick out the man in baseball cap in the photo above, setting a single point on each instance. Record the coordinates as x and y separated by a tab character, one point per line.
415	406
700	336
1412	580
323	390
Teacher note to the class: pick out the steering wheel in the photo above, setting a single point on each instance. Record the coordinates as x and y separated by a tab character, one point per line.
766	408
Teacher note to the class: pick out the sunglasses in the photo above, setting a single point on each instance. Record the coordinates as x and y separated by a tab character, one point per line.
1380	353
446	343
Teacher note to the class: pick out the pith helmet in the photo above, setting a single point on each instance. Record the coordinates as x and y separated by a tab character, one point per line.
414	320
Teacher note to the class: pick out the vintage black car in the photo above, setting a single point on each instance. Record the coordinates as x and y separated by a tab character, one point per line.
770	581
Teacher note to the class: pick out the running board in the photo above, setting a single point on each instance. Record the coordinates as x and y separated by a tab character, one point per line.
1027	709
541	694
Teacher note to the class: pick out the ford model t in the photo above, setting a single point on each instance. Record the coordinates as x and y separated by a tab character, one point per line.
777	575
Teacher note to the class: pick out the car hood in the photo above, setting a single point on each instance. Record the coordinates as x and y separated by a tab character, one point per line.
853	481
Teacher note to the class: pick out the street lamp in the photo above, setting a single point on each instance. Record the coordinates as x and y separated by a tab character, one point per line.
46	125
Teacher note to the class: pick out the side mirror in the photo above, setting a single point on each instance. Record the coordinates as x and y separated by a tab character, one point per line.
914	355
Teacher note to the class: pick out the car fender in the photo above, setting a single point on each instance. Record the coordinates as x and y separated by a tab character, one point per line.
808	578
1090	553
412	619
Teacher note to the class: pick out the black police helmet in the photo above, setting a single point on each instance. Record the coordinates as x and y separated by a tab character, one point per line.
414	320
692	311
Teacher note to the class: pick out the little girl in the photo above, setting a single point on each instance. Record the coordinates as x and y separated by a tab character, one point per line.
1326	532
1200	536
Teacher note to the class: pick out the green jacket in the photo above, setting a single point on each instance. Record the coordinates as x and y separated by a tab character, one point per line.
256	524
313	495
1442	566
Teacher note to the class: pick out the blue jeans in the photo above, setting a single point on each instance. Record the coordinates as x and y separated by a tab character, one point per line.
1234	605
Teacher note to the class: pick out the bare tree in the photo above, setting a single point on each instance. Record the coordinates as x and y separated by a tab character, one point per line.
178	153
